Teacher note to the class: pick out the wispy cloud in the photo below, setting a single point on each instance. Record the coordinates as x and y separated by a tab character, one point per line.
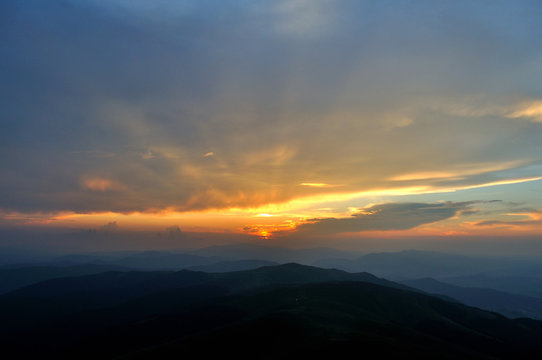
100	184
461	170
148	155
529	219
318	185
530	110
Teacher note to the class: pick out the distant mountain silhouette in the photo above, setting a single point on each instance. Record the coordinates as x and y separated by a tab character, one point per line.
511	305
160	260
414	264
232	265
410	264
15	277
273	253
136	283
524	285
185	259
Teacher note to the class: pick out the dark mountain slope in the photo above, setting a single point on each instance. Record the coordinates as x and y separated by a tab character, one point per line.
65	296
293	273
326	318
58	297
289	310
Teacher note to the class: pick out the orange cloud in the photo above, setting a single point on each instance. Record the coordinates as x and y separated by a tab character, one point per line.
531	110
100	184
459	171
310	184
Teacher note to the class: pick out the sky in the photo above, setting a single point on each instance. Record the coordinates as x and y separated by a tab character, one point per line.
292	122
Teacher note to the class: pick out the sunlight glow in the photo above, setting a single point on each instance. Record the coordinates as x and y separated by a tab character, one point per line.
316	184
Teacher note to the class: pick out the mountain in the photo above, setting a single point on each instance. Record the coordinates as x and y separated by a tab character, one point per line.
403	265
143	260
413	264
162	260
15	256
524	285
16	277
138	283
233	265
339	319
511	305
62	296
272	253
279	311
55	298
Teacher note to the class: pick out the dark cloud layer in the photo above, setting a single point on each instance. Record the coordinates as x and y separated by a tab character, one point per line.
391	216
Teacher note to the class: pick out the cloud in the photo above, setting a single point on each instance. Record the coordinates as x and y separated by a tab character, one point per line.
148	155
533	218
531	110
461	171
105	107
100	184
173	232
316	184
390	216
511	107
492	223
110	226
